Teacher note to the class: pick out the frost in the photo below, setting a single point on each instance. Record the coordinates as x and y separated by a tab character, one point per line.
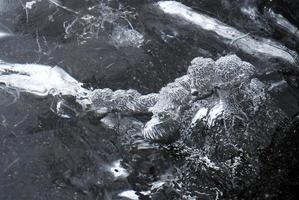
210	92
129	194
201	113
256	92
124	37
102	17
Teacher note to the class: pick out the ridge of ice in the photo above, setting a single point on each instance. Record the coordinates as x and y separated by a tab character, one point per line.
168	107
230	35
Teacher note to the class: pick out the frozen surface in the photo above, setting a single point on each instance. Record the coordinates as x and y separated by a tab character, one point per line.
244	41
42	80
123	37
218	83
147	99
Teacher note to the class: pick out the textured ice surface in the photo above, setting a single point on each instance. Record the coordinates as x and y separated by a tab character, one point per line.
30	4
129	101
224	126
124	37
258	48
41	80
210	90
129	194
103	17
282	23
117	170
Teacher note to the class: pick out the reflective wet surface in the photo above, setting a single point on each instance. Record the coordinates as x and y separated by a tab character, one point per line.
135	45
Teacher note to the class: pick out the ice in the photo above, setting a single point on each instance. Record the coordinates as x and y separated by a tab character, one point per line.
201	113
251	12
281	22
117	170
225	85
231	70
256	91
30	4
162	129
59	4
4	31
258	48
102	17
129	194
126	37
216	111
42	80
3	34
120	100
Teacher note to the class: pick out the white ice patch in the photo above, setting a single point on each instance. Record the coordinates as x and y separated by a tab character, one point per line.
117	170
216	111
42	80
250	12
210	115
30	4
124	37
277	84
110	121
256	91
59	4
3	34
157	185
209	163
129	194
201	113
229	35
281	22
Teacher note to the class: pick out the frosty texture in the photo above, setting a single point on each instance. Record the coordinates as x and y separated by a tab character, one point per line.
217	88
210	92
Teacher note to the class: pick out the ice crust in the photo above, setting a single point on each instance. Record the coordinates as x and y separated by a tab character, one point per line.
244	42
211	90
